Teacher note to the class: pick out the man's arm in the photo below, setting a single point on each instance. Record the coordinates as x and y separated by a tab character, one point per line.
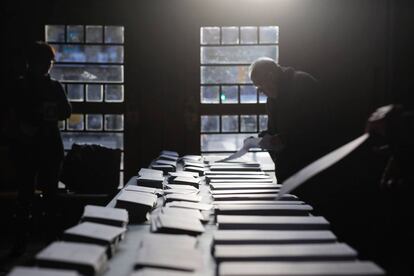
64	107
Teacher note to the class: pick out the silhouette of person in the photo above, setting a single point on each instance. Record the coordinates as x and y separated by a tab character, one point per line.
37	104
297	116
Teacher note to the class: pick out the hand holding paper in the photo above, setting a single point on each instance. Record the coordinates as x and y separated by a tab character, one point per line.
250	142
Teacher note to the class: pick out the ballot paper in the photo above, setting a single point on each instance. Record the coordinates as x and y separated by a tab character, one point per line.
167	241
272	237
161	272
319	165
284	252
105	215
249	143
331	268
38	271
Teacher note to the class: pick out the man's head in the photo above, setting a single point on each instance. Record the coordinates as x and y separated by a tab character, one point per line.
264	73
40	58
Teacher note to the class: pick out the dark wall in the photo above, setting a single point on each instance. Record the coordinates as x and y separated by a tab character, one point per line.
345	44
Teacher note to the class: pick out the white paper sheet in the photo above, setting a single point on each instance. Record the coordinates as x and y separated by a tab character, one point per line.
319	165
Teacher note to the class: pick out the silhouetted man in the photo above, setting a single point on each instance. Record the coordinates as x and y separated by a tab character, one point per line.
37	104
297	116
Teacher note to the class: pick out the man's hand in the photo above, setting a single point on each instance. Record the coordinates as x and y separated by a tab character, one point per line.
271	142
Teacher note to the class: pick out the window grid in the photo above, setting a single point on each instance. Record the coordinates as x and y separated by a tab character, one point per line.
106	112
224	64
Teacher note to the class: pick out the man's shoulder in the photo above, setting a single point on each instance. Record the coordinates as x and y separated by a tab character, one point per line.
304	76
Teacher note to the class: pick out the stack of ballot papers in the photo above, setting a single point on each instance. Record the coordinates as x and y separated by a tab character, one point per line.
190	205
191	197
164	168
105	215
192	157
199	170
172	175
259	202
95	233
234	166
243	191
264	210
284	252
319	268
176	224
145	171
150	180
87	259
262	178
177	258
166	162
193	163
272	222
168	157
272	237
137	204
169	152
180	189
141	189
243	185
167	241
184	180
161	272
243	196
184	212
38	271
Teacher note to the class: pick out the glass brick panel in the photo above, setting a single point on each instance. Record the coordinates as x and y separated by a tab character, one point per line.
224	74
248	94
262	97
263	122
229	94
74	34
94	34
75	92
114	34
210	123
210	35
114	122
210	94
222	142
248	35
269	34
248	123
229	123
93	122
230	35
114	93
55	33
88	73
236	54
75	122
94	93
107	139
89	53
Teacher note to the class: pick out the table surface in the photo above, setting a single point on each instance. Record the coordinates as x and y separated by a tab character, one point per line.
122	263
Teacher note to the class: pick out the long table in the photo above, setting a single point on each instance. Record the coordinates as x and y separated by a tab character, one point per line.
122	264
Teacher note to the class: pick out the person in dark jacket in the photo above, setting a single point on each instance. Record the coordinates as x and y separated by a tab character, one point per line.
297	116
37	104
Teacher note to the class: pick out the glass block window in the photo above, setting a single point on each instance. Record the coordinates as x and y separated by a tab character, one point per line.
226	92
90	64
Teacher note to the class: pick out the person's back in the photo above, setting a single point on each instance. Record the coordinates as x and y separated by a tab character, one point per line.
37	104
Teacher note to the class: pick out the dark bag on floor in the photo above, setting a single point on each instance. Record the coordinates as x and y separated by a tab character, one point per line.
91	169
